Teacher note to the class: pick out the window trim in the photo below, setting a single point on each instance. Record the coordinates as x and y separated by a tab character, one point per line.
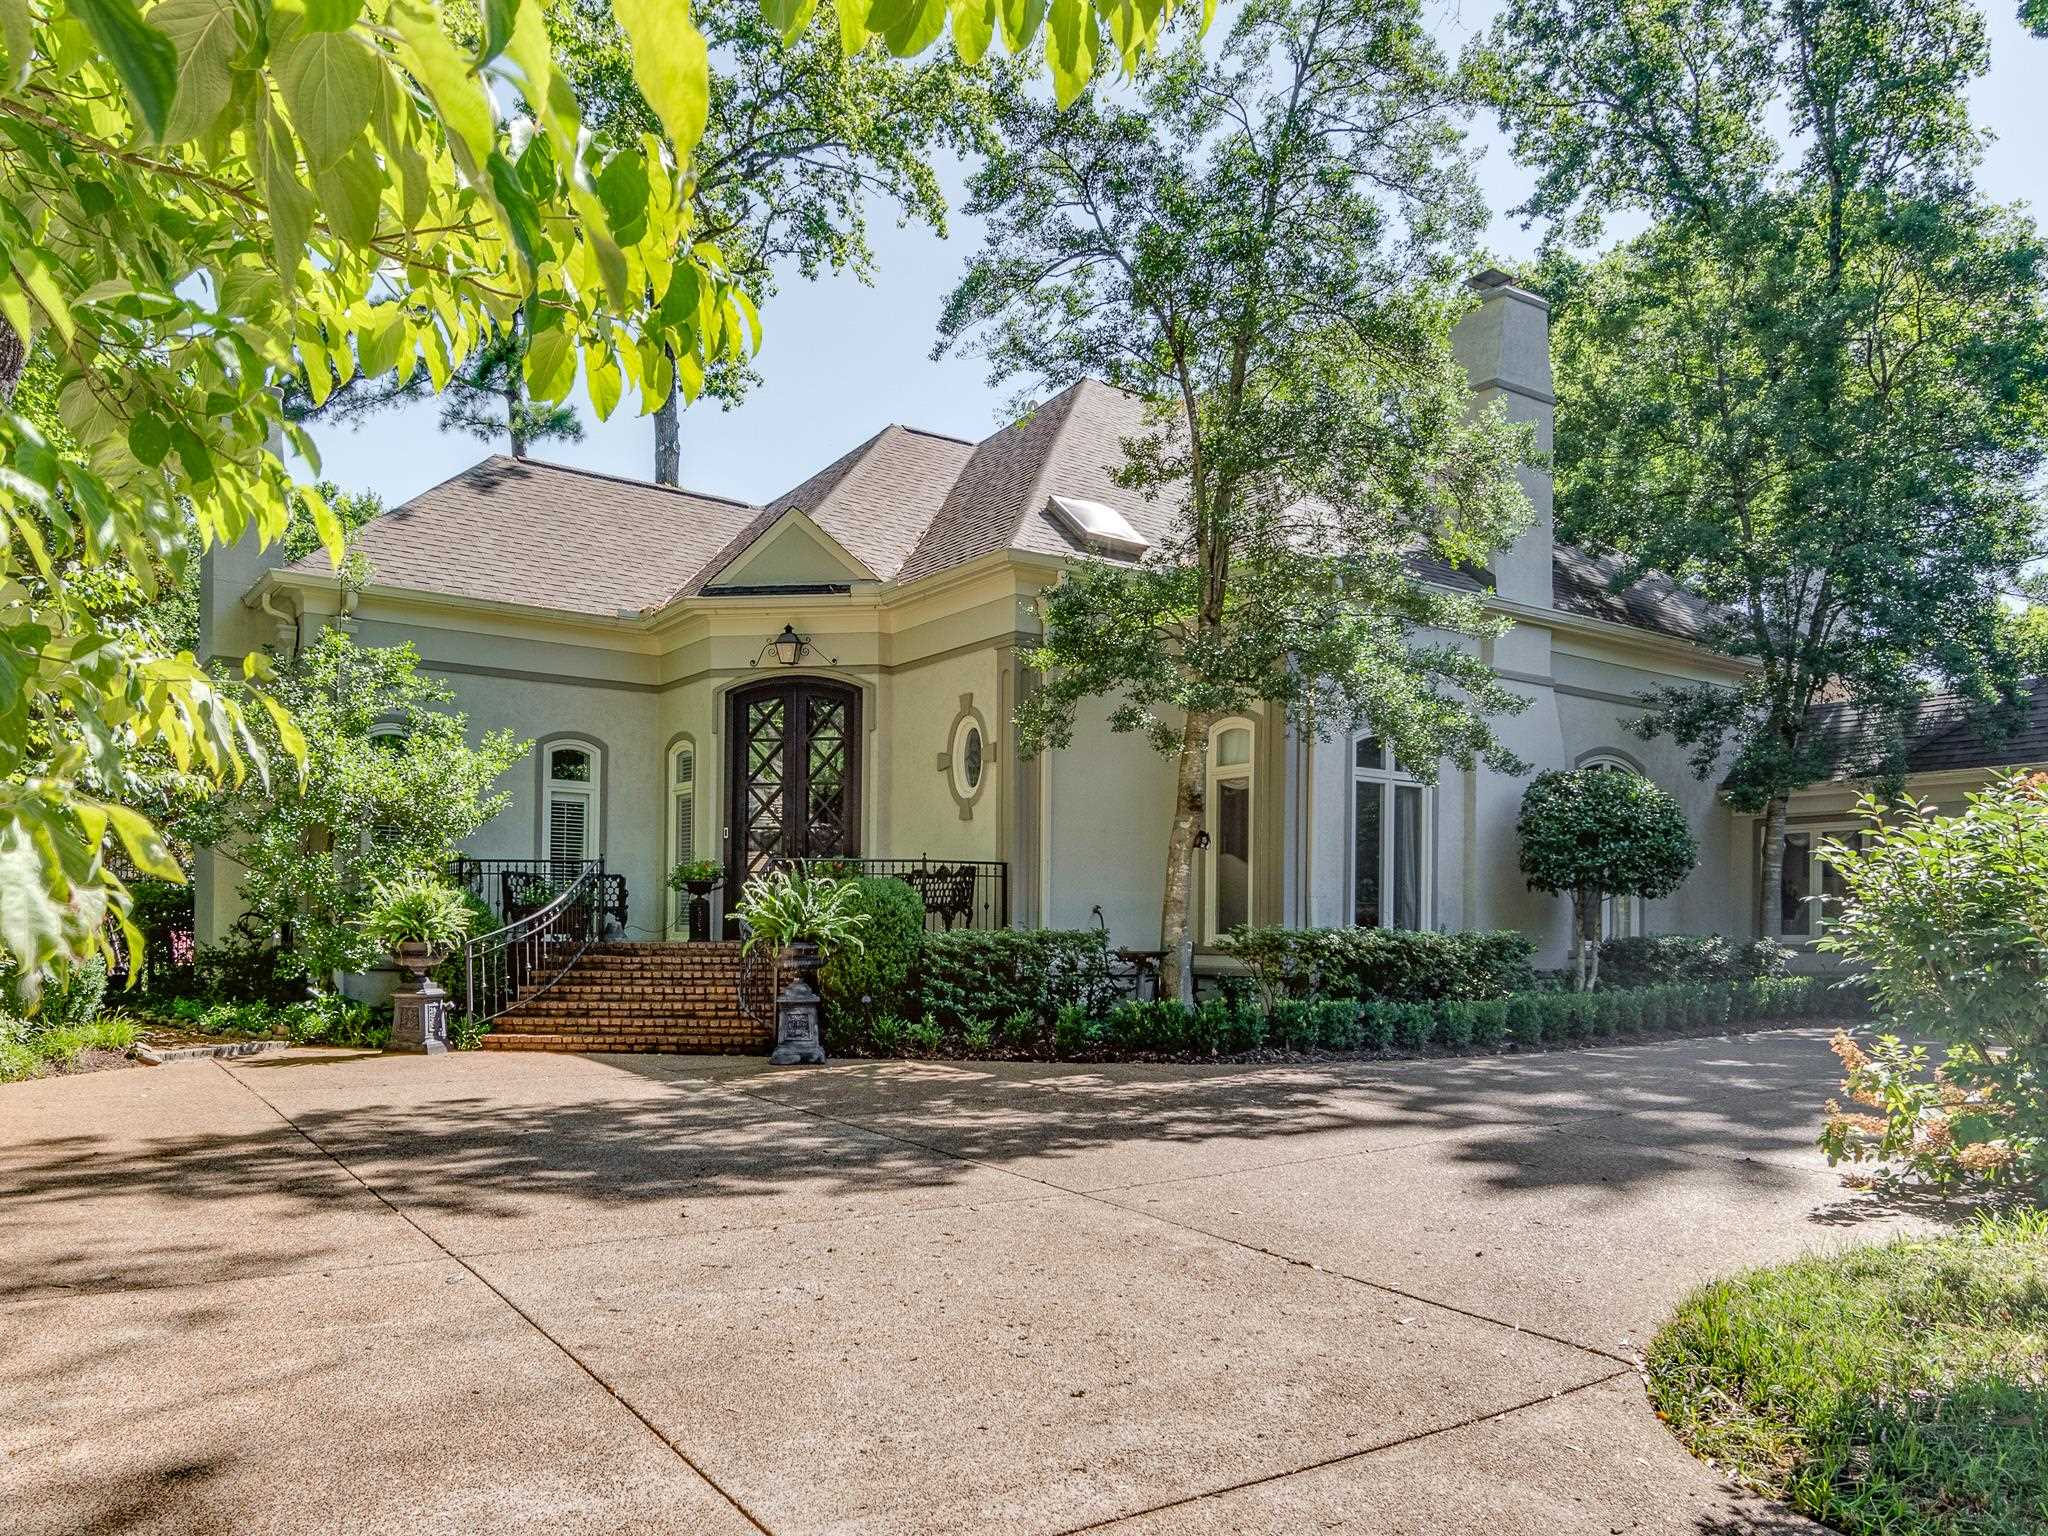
1212	776
593	790
1814	832
671	793
1389	776
1612	926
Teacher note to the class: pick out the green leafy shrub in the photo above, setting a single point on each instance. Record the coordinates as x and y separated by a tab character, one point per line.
1489	1022
858	983
1454	1024
923	1037
1377	1025
979	1037
1374	964
1022	1031
970	974
886	1035
1650	960
1075	1032
1155	1028
65	996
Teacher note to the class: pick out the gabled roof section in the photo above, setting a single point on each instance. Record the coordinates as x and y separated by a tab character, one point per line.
791	551
540	535
875	502
1069	446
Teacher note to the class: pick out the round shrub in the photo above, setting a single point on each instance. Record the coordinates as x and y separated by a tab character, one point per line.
1590	833
862	984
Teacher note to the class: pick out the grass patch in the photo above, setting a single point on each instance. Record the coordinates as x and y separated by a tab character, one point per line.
1900	1389
29	1052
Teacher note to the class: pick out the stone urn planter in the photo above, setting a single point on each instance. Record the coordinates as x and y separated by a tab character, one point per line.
419	1011
799	1036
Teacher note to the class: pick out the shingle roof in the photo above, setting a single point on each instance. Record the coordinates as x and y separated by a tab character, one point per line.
907	504
1946	731
543	535
876	501
1582	582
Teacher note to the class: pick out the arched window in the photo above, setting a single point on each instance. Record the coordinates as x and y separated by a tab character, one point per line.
1621	917
1391	835
386	736
1227	861
572	810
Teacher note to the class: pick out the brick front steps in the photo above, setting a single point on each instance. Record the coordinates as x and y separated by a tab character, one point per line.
639	997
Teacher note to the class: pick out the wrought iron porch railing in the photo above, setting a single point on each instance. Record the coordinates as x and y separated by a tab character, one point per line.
958	893
532	952
511	888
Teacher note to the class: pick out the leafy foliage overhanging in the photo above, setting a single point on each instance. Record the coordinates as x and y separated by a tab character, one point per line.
202	201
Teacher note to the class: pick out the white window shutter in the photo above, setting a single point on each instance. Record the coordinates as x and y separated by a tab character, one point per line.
686	805
568	829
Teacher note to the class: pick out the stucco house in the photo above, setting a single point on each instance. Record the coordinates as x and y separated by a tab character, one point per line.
834	673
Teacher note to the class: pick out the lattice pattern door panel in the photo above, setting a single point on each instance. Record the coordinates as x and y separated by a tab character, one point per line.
762	831
825	776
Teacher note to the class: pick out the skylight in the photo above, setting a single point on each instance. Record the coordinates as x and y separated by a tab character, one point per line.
1097	525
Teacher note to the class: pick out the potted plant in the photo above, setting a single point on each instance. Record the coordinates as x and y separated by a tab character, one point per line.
418	918
697	878
805	918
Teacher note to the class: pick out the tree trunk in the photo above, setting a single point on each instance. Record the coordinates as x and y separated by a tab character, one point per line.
1589	939
13	358
1176	928
1579	939
1774	869
668	441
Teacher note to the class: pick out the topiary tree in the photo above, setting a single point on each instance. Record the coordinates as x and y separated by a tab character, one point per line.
1600	832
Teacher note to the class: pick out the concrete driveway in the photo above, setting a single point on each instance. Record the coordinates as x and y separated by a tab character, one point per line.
337	1292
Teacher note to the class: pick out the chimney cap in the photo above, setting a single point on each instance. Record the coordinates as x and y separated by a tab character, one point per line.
1493	282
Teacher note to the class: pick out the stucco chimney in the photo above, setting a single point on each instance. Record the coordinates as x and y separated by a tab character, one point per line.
228	626
1505	347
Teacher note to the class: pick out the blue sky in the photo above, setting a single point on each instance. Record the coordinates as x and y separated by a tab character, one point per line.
841	360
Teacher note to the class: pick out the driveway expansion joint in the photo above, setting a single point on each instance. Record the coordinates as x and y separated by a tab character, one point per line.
520	1312
1112	1521
1218	1237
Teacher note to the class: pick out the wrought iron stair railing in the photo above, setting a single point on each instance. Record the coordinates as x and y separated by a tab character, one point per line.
531	953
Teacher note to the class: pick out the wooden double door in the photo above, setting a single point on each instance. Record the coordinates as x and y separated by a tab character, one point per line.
793	776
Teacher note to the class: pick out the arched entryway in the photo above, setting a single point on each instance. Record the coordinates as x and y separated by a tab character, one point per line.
792	775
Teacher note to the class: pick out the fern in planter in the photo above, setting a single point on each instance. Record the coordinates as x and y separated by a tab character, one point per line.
781	909
417	910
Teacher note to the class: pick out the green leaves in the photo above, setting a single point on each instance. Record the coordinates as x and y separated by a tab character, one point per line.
142	56
332	15
671	65
1070	41
330	86
203	33
458	96
18	39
